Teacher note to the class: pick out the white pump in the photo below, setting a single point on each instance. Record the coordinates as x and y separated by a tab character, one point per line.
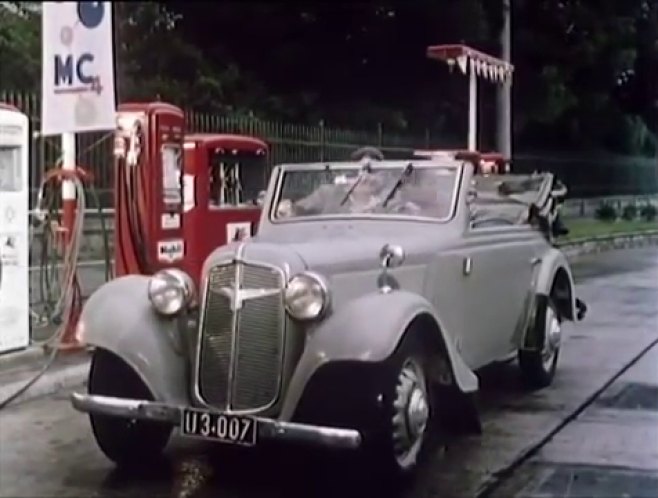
14	230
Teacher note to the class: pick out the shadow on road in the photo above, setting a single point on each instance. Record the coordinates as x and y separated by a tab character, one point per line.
204	470
274	472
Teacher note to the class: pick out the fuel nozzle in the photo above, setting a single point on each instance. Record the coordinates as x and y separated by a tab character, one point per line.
38	218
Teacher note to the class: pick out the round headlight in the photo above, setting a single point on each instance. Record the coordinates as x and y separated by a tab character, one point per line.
307	296
170	291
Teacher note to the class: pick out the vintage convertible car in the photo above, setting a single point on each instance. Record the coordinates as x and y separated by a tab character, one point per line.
355	319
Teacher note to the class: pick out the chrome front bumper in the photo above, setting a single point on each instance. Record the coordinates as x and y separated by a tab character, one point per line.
267	428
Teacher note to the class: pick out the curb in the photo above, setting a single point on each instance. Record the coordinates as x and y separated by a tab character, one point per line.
75	375
57	378
601	243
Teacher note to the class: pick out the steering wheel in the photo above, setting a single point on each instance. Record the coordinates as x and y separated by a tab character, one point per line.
407	207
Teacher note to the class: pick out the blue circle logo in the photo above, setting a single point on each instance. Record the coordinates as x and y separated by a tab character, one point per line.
91	14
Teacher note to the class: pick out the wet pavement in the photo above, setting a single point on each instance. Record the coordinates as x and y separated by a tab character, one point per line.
47	448
610	450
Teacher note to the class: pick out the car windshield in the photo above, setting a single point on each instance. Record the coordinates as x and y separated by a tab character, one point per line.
417	190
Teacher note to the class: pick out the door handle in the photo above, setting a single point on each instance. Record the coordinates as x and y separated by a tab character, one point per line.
467	267
535	261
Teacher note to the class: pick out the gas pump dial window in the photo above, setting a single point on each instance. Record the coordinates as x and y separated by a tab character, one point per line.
172	166
236	177
10	169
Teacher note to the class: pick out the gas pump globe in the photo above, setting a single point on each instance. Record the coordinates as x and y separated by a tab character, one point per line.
223	177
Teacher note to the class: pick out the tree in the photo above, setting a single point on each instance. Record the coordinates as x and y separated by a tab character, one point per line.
585	69
639	85
574	60
20	46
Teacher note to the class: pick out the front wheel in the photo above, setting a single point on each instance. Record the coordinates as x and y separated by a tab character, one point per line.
538	366
127	442
409	410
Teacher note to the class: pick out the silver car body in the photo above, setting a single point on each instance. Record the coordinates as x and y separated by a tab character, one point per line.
471	277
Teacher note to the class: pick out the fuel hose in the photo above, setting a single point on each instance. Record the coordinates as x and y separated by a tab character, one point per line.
59	287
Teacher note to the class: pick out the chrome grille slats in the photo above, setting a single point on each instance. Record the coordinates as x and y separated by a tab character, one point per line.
259	350
216	338
241	353
260	277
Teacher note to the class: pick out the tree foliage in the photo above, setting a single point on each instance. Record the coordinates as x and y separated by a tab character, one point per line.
586	71
20	46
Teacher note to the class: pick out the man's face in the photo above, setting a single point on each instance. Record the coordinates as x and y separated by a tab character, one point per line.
369	185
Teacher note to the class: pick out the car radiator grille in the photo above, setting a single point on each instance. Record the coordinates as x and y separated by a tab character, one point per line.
241	354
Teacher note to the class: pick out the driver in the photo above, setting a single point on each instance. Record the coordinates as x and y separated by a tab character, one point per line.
369	153
330	198
365	196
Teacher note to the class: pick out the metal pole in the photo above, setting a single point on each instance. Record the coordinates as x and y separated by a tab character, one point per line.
68	187
472	109
504	92
119	69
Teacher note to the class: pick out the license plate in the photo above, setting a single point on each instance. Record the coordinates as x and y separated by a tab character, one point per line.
222	427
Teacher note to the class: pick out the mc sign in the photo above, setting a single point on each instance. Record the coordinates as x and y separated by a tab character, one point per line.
69	72
78	67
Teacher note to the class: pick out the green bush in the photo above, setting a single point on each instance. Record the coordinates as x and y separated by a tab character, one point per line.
606	212
629	213
648	212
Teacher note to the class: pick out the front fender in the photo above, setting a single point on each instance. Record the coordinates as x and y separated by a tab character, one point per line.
119	317
554	265
369	329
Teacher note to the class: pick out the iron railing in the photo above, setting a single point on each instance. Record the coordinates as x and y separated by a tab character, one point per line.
584	175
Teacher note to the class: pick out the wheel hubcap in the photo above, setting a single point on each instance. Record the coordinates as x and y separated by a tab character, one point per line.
411	412
553	337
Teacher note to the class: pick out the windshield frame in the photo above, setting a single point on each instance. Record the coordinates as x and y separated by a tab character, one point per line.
457	166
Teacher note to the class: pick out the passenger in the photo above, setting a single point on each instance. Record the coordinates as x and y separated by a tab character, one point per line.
488	167
427	193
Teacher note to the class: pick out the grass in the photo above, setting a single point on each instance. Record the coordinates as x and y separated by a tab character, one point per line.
584	228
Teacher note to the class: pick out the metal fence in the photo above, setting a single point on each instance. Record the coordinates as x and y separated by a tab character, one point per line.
585	175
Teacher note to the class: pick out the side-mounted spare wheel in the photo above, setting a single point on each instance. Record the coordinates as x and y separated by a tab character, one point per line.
127	442
538	365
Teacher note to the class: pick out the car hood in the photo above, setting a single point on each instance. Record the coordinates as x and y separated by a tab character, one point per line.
342	254
353	248
348	255
326	255
278	255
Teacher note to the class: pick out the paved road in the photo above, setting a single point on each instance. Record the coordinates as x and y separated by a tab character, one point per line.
598	456
47	449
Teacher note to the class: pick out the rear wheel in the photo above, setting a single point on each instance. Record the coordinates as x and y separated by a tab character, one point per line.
127	442
538	366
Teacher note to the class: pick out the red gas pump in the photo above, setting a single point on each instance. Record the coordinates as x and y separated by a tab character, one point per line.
148	190
223	177
177	196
